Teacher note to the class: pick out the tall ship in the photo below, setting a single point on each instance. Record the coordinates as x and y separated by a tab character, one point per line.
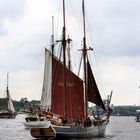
67	95
9	110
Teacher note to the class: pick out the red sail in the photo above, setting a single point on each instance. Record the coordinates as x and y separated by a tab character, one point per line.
72	105
93	92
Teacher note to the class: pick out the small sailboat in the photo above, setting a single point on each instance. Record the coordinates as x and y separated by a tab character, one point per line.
34	120
37	123
67	96
10	111
33	117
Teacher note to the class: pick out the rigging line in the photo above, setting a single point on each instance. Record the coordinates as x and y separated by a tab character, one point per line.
58	23
89	29
98	71
77	43
96	58
73	23
75	13
99	68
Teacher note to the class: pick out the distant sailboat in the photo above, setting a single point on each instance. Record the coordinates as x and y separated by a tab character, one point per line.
10	111
137	115
67	95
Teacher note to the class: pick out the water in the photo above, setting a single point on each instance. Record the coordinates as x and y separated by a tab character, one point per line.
119	128
123	128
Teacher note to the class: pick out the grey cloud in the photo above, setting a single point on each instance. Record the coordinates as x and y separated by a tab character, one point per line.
11	8
115	26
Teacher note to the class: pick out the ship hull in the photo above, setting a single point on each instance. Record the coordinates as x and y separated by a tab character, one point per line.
66	132
80	133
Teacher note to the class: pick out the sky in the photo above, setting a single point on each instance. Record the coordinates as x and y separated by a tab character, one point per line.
113	31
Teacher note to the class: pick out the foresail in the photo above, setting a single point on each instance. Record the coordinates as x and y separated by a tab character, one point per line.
74	100
93	92
46	90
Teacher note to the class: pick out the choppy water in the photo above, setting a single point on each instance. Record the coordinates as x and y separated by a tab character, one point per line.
119	128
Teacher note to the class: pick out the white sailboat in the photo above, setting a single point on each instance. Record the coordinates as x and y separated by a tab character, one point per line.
68	95
10	111
34	117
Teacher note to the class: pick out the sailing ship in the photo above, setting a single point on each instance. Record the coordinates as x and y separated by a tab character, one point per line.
9	112
67	96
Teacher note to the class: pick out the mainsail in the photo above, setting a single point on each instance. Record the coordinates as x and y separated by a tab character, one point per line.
53	89
93	92
74	92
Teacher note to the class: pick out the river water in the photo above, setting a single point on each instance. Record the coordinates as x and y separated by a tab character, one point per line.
119	128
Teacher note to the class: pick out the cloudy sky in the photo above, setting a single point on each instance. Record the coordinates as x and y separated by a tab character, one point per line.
113	30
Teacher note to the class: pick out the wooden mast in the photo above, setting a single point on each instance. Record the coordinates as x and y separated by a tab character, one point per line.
7	83
85	58
69	57
7	90
64	57
52	47
52	36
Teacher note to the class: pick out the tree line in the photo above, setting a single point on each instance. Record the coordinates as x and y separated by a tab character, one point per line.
126	110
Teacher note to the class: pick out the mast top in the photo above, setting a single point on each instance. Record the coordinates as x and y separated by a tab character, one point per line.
7	81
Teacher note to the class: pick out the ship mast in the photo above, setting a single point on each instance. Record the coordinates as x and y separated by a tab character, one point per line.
85	59
64	57
52	36
68	50
52	47
7	90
